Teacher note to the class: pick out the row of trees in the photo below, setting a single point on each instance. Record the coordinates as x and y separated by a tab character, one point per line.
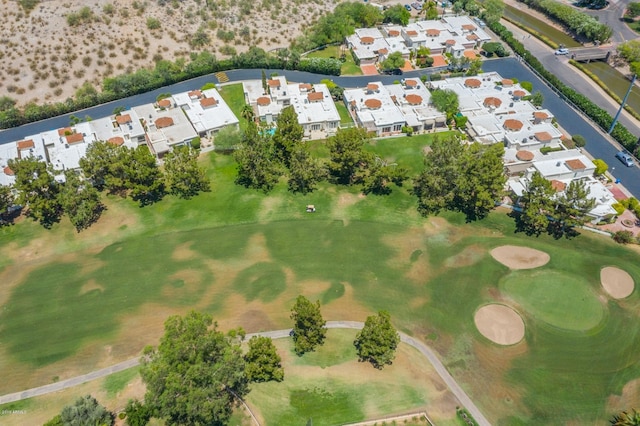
106	167
575	20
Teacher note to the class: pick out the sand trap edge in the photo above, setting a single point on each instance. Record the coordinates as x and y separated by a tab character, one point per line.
500	323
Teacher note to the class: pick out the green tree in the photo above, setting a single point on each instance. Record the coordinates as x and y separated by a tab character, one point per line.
6	201
379	175
346	154
397	14
536	203
137	413
571	207
304	171
579	140
480	181
37	190
378	340
626	418
435	186
196	373
430	10
309	329
265	87
55	421
537	98
86	410
445	100
183	175
263	363
143	177
227	139
257	163
103	165
80	201
601	167
493	10
494	47
394	60
288	134
633	9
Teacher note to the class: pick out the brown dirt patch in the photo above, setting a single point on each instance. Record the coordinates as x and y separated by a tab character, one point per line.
616	282
183	252
629	397
517	257
500	324
90	286
466	257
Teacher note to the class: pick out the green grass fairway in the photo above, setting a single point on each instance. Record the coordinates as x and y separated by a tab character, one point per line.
233	95
331	387
562	300
71	303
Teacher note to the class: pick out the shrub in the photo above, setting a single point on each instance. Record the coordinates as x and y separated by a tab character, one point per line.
195	142
619	208
601	167
579	140
623	237
153	23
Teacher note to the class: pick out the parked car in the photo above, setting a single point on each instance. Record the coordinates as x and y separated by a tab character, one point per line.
416	6
626	159
408	7
562	51
394	71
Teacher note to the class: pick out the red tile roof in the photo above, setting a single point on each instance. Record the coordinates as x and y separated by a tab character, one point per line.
524	155
575	164
383	51
123	119
450	42
492	102
305	86
512	124
367	40
195	94
74	138
26	144
208	102
410	83
116	140
164	103
473	83
412	33
263	101
472	37
540	115
372	87
414	99
432	32
373	103
7	171
65	131
393	33
163	122
469	27
507	82
315	96
543	136
274	82
558	186
519	93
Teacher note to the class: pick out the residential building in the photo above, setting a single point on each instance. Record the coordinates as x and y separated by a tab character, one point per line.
206	110
373	108
121	129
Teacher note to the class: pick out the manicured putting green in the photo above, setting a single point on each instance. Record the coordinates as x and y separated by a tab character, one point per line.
557	298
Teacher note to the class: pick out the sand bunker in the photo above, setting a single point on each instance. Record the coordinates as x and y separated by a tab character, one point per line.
516	257
500	324
616	282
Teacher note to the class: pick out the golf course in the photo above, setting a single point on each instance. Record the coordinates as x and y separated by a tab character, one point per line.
71	303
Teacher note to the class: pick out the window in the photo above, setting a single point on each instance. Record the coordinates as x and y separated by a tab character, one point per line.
315	127
397	127
386	129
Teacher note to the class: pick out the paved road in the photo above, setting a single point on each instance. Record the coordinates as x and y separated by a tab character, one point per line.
426	351
612	17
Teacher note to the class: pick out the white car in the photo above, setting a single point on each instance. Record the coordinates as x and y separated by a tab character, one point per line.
562	51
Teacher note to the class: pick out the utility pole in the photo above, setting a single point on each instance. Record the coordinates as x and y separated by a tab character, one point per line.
624	102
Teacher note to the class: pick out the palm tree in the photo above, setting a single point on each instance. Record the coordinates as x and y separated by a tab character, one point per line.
626	419
247	113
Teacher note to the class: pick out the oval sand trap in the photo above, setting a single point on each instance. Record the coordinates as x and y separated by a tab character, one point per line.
616	282
500	324
517	257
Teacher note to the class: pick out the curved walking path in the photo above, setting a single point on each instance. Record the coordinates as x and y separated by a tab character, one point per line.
426	351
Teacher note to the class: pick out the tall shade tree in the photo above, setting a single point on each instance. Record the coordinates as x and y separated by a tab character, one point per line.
86	411
183	175
288	134
137	413
445	100
377	341
434	187
80	201
196	373
536	203
263	363
571	209
309	329
6	201
481	180
393	61
37	190
493	10
143	176
304	171
346	154
257	164
103	164
396	14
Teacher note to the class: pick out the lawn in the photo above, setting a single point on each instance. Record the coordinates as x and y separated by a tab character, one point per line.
345	118
349	67
233	95
72	303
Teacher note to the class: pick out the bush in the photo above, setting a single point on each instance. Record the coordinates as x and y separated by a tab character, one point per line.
601	167
195	142
579	140
153	23
623	237
619	208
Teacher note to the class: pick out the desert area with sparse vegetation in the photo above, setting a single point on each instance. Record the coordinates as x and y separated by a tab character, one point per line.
53	47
